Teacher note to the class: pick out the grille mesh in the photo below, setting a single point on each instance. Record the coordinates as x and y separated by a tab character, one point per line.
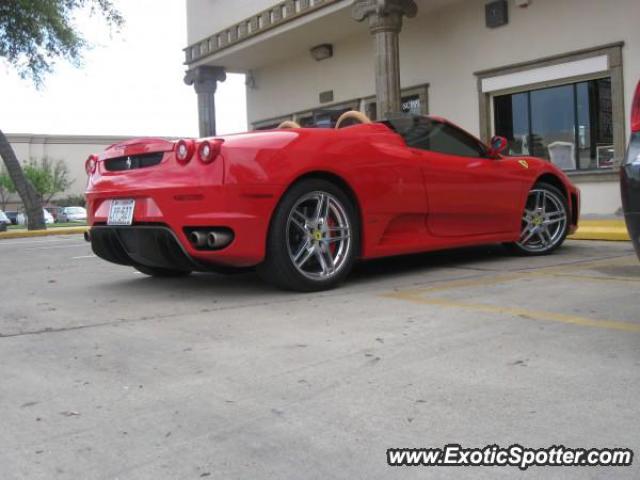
133	162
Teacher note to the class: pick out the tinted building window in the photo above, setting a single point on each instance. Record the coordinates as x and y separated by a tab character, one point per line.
571	125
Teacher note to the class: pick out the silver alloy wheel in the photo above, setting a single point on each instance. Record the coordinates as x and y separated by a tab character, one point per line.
543	222
318	235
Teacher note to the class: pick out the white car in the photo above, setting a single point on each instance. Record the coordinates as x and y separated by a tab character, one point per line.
22	218
72	214
4	221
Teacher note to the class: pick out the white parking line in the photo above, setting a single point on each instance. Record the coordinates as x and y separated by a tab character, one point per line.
10	242
75	245
84	256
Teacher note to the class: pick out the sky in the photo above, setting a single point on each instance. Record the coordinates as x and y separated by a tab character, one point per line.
130	82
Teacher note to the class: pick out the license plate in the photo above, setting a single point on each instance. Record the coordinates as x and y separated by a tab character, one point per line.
121	212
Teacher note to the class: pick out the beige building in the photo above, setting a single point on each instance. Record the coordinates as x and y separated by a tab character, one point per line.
556	77
72	149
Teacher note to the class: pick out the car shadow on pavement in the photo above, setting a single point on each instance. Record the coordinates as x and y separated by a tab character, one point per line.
195	285
482	258
469	258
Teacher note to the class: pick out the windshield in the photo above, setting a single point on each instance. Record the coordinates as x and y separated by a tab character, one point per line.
75	210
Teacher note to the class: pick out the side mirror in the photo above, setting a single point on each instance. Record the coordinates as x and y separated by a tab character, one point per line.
498	144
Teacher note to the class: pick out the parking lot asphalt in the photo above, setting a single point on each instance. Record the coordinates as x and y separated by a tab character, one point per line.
107	374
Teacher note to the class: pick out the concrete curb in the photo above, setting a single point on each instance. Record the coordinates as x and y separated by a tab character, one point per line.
607	230
42	233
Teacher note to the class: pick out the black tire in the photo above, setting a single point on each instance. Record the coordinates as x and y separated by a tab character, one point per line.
279	268
559	238
161	272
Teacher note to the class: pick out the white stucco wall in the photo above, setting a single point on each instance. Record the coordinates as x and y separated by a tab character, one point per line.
206	17
445	47
295	85
600	198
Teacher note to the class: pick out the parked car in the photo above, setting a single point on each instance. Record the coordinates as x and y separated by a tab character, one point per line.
13	216
73	214
630	176
55	212
22	218
303	204
4	221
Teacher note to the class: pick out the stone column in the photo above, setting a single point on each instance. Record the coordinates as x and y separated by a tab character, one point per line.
385	24
205	82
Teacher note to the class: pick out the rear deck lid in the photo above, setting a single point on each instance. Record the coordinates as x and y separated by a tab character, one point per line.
137	146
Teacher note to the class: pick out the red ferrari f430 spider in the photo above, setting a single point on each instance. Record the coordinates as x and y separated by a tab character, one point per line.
303	204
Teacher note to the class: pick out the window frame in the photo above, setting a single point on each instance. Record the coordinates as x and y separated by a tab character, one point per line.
613	51
576	122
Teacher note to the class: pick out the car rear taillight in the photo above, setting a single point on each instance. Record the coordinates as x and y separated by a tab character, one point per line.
90	164
184	151
209	150
635	111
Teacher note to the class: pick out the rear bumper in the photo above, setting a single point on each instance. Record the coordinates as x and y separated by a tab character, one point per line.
163	218
151	246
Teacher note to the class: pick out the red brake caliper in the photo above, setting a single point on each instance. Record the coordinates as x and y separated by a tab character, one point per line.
333	245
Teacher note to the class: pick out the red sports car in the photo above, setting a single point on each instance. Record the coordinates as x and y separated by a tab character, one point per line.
303	204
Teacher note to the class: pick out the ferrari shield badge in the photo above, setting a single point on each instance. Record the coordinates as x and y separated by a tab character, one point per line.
523	163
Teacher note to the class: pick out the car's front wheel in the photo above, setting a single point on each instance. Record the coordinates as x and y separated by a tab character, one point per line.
313	239
545	221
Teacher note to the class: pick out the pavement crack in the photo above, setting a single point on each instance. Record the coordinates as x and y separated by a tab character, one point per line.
146	318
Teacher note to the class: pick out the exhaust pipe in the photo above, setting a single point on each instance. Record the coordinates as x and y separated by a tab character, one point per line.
199	239
219	239
87	236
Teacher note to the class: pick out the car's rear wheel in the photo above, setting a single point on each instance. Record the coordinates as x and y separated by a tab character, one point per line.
313	239
161	272
545	221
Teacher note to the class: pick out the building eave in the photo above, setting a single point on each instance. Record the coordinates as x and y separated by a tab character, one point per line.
253	27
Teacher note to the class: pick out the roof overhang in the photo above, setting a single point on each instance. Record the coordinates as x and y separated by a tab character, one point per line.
325	22
288	29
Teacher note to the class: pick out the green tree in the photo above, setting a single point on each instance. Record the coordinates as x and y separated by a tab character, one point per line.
34	34
47	177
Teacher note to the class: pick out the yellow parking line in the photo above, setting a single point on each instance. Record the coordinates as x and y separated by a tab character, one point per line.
521	312
507	277
465	282
588	278
586	265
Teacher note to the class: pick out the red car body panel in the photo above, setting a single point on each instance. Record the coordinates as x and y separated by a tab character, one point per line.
409	200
